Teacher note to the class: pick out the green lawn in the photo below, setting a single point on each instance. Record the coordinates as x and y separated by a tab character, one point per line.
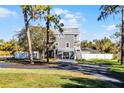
36	78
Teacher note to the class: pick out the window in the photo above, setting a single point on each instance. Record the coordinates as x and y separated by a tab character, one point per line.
57	44
67	44
59	54
75	35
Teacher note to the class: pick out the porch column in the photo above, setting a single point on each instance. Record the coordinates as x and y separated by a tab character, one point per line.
62	54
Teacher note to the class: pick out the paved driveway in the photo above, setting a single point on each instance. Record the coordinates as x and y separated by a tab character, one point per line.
100	71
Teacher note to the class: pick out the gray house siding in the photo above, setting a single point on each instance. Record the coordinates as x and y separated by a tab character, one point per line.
63	39
67	43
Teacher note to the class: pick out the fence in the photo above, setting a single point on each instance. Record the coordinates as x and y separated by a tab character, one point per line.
23	55
97	56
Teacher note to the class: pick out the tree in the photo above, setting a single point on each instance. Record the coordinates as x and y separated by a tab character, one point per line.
104	45
9	46
107	10
1	44
43	12
87	44
30	12
51	20
27	12
1	41
117	38
38	38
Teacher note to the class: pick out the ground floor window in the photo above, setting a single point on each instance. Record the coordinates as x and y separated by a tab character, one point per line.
65	55
59	54
72	55
62	54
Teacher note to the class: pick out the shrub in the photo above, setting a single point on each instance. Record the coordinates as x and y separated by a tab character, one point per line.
5	53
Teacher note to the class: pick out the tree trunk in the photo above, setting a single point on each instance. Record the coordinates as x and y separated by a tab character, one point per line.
122	38
30	46
26	20
42	55
47	43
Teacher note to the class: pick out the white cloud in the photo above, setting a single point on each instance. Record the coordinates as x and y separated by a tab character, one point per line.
70	18
73	21
5	12
83	19
104	33
18	29
110	27
60	11
84	32
94	34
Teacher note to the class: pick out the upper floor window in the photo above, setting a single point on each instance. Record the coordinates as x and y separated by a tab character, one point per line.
57	43
75	35
67	44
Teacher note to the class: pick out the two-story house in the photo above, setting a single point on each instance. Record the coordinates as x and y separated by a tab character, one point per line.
67	45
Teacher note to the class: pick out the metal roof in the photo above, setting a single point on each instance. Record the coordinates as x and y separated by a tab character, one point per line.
68	30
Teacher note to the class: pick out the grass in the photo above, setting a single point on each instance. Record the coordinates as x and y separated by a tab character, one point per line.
13	60
98	61
117	68
45	78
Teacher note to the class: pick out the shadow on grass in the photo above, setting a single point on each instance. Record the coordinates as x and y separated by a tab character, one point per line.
21	61
25	61
87	83
13	60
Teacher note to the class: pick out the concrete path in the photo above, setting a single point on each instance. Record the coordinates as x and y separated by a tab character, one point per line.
100	71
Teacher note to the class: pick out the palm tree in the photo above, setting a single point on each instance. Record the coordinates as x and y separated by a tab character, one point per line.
47	29
107	10
51	20
29	14
44	12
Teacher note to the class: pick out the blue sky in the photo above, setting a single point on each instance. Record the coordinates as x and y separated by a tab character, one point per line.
84	17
